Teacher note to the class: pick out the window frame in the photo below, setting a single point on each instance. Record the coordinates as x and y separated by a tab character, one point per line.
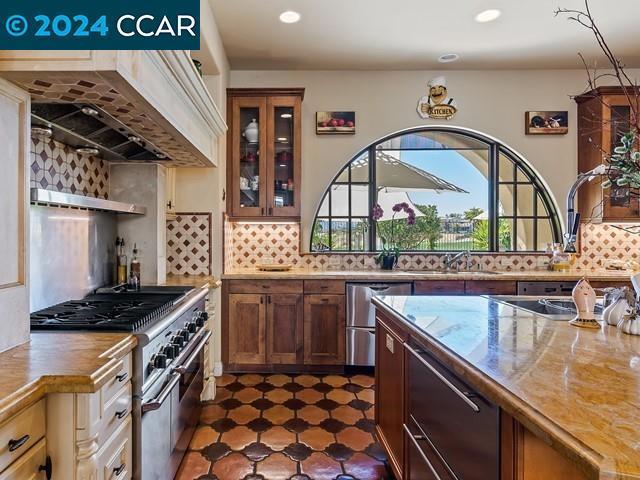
495	149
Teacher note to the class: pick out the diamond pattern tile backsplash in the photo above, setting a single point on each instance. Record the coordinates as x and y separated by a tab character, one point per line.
189	244
56	166
248	244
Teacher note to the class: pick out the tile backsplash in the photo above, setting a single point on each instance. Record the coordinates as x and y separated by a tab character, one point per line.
189	244
58	167
248	244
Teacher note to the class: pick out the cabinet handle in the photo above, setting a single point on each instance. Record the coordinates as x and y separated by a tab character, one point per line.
122	377
47	468
261	300
121	414
414	439
16	444
120	469
451	386
270	210
262	211
269	299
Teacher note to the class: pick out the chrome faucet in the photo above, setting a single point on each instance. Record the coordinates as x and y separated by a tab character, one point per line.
450	260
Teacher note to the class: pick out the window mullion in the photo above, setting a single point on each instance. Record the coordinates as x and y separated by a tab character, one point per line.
372	197
493	198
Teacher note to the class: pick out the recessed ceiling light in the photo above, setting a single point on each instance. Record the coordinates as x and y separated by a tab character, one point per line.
488	15
286	115
448	57
289	17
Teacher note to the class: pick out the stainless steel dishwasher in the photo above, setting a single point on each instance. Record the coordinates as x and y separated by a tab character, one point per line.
361	320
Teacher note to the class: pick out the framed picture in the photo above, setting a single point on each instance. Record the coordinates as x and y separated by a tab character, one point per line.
546	122
335	123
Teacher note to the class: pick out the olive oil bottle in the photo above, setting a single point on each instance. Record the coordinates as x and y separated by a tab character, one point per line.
122	261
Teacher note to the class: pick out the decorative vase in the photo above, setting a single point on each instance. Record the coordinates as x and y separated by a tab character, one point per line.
629	324
584	298
251	132
387	262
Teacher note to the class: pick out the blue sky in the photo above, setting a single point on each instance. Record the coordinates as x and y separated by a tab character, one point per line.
454	168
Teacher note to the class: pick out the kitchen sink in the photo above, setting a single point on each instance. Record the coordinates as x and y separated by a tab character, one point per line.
450	272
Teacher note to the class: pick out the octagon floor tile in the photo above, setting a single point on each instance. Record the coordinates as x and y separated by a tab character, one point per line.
232	467
335	381
277	467
239	437
193	465
341	396
212	412
363	380
355	438
367	395
248	395
277	438
363	467
244	414
313	414
307	380
225	379
278	395
278	380
347	414
317	438
321	467
309	395
250	379
278	415
202	437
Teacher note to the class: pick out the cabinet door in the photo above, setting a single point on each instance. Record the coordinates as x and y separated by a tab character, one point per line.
389	394
283	156
324	330
247	325
27	467
248	147
284	329
14	214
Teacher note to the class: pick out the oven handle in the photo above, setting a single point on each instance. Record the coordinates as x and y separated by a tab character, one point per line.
414	439
182	369
451	386
156	403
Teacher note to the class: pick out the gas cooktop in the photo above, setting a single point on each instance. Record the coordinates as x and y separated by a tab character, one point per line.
123	311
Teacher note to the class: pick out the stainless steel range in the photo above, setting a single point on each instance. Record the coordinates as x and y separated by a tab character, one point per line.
169	324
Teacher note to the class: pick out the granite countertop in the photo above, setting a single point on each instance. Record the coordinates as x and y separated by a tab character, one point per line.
308	274
58	363
578	389
196	281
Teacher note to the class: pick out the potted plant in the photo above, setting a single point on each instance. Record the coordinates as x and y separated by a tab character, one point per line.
390	252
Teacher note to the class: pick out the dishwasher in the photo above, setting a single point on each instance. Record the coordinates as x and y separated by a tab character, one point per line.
361	319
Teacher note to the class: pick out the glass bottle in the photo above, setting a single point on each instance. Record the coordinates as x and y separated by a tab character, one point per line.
122	262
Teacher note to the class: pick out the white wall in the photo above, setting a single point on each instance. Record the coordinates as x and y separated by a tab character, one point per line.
492	102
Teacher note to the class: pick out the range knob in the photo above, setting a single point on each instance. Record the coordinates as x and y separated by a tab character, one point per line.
178	340
160	360
191	327
184	334
171	351
201	319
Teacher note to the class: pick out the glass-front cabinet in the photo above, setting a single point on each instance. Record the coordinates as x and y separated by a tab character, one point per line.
264	153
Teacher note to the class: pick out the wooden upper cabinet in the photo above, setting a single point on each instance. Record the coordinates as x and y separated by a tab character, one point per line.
324	330
604	115
264	154
247	328
284	329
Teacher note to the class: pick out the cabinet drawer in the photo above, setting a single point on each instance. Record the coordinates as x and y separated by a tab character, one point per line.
114	459
21	432
324	286
115	383
115	412
490	287
27	467
438	287
265	286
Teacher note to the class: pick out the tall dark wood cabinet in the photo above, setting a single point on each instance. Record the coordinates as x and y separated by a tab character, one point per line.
264	152
604	115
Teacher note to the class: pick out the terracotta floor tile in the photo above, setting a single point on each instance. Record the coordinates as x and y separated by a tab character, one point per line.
370	413
248	395
335	381
278	380
222	394
306	380
354	438
244	414
278	395
277	438
363	467
250	379
212	412
317	438
202	437
363	380
277	467
309	395
225	379
193	465
239	437
278	414
232	467
320	467
312	414
341	396
347	414
367	394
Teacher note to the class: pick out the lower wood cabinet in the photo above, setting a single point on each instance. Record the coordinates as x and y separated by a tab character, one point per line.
247	328
284	329
30	466
324	330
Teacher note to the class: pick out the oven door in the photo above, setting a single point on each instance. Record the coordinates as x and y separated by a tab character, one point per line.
171	416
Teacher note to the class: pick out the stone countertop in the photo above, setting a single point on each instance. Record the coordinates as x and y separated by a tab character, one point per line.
379	275
578	389
58	363
196	281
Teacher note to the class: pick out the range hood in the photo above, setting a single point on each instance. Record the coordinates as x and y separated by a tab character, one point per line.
70	200
87	128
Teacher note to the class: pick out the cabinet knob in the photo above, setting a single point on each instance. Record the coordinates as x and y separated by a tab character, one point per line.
47	468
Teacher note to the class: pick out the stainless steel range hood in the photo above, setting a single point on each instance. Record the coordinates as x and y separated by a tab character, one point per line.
85	126
70	200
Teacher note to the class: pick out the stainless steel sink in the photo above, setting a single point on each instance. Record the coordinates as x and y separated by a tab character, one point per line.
451	272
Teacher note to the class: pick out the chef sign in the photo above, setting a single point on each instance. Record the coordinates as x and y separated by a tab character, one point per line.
437	104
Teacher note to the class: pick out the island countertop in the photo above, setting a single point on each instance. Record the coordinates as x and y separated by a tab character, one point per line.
578	389
56	362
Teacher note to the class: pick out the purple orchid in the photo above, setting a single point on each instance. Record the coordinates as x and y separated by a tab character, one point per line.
377	212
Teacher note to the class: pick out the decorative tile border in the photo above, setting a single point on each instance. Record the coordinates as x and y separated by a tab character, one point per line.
189	244
247	244
58	167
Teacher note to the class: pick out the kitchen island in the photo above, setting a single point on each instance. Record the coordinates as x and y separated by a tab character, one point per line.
534	397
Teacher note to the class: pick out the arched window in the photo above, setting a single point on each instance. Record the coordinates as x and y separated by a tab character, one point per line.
469	192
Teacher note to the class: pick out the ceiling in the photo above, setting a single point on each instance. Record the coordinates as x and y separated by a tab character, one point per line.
412	34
